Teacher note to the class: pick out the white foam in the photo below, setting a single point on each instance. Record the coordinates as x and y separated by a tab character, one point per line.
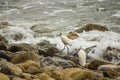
54	12
117	14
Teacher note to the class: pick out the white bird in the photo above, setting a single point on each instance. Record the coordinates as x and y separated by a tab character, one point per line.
66	41
82	57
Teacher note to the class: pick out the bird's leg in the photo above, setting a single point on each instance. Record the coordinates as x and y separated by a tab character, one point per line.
63	48
67	49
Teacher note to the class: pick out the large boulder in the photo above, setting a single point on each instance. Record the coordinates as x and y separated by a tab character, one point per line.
3	54
23	56
9	68
4	77
90	27
30	67
22	47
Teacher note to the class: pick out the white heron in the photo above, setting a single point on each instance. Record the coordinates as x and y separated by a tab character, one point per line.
66	41
82	57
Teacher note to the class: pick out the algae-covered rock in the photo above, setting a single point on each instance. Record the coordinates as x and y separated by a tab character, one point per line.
90	27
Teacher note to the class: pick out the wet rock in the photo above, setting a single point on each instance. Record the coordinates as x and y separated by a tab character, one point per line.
23	56
108	72
3	39
4	55
30	67
17	36
112	54
4	77
94	64
40	29
47	49
48	61
72	35
9	68
4	24
90	27
22	47
3	45
57	63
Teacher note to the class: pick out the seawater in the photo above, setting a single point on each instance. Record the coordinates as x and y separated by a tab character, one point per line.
63	16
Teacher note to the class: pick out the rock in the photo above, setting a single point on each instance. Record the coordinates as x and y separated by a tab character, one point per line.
9	68
30	67
4	55
85	75
47	49
23	56
27	76
72	35
3	45
16	78
94	64
3	77
112	54
58	75
47	69
90	27
16	36
22	47
40	29
4	24
44	76
108	72
72	74
3	39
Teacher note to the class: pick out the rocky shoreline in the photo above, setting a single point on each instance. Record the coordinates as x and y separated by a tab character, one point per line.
44	61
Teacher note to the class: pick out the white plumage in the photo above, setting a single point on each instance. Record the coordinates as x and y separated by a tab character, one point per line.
82	57
66	41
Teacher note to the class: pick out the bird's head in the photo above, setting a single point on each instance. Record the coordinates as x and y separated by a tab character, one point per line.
60	33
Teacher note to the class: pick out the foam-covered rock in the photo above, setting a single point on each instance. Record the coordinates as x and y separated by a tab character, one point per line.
3	45
47	49
41	29
90	27
3	39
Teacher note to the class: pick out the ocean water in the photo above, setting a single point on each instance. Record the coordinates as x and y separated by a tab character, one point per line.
62	16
